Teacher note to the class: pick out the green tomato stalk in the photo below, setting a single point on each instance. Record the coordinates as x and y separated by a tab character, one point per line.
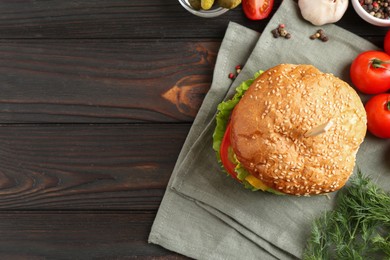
378	63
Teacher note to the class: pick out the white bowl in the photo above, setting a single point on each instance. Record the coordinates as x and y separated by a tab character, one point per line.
367	17
213	12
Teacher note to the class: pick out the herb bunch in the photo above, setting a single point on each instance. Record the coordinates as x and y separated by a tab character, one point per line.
358	227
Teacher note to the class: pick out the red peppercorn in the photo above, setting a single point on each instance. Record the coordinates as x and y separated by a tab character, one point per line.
282	25
231	76
238	67
375	4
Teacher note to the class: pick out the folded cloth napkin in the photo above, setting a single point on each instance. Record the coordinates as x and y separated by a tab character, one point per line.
207	215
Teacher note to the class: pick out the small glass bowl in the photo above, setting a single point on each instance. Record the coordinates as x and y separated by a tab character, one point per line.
369	18
213	12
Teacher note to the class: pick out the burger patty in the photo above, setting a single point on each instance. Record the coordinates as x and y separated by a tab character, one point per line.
269	123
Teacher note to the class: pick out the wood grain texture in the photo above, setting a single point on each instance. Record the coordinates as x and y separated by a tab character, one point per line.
109	19
76	235
96	100
122	19
101	167
95	81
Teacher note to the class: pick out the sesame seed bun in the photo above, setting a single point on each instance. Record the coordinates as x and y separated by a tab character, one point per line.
269	123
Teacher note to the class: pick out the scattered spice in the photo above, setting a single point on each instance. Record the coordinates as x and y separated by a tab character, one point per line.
280	31
275	33
238	70
377	8
320	34
313	37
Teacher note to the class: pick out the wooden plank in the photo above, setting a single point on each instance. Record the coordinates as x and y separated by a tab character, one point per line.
87	166
78	235
135	19
104	81
110	19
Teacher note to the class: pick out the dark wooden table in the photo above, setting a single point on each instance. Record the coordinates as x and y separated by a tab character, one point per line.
96	100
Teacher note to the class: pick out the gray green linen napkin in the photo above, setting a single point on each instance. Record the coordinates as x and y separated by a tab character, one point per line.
207	215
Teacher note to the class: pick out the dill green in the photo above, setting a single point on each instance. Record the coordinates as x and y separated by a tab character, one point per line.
358	227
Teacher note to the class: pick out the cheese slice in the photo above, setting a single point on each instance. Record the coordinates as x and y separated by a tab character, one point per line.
255	182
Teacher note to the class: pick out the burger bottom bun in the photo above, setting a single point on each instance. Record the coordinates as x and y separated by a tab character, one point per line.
268	129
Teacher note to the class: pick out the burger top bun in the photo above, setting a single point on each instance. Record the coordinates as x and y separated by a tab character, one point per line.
269	124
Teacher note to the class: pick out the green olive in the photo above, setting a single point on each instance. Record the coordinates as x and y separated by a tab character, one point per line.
230	4
207	4
195	4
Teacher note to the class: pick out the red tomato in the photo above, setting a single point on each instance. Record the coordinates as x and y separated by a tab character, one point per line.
224	153
378	115
387	42
257	9
370	72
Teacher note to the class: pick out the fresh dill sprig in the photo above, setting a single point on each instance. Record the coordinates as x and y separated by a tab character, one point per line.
358	227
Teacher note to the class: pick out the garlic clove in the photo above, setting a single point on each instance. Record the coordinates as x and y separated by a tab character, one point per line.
320	12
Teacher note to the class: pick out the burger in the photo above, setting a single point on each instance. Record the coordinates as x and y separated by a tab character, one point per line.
291	130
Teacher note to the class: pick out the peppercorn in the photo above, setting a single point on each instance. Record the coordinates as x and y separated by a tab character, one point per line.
320	34
376	8
238	70
325	39
281	31
275	33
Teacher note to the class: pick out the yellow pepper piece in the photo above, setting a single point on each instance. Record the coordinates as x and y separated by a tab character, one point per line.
255	182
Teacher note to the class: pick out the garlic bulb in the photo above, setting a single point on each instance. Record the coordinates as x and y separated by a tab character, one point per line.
320	12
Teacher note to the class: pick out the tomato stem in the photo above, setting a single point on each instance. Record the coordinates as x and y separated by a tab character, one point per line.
377	63
388	105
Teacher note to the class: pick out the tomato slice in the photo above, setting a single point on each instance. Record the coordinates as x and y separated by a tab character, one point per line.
257	9
225	154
